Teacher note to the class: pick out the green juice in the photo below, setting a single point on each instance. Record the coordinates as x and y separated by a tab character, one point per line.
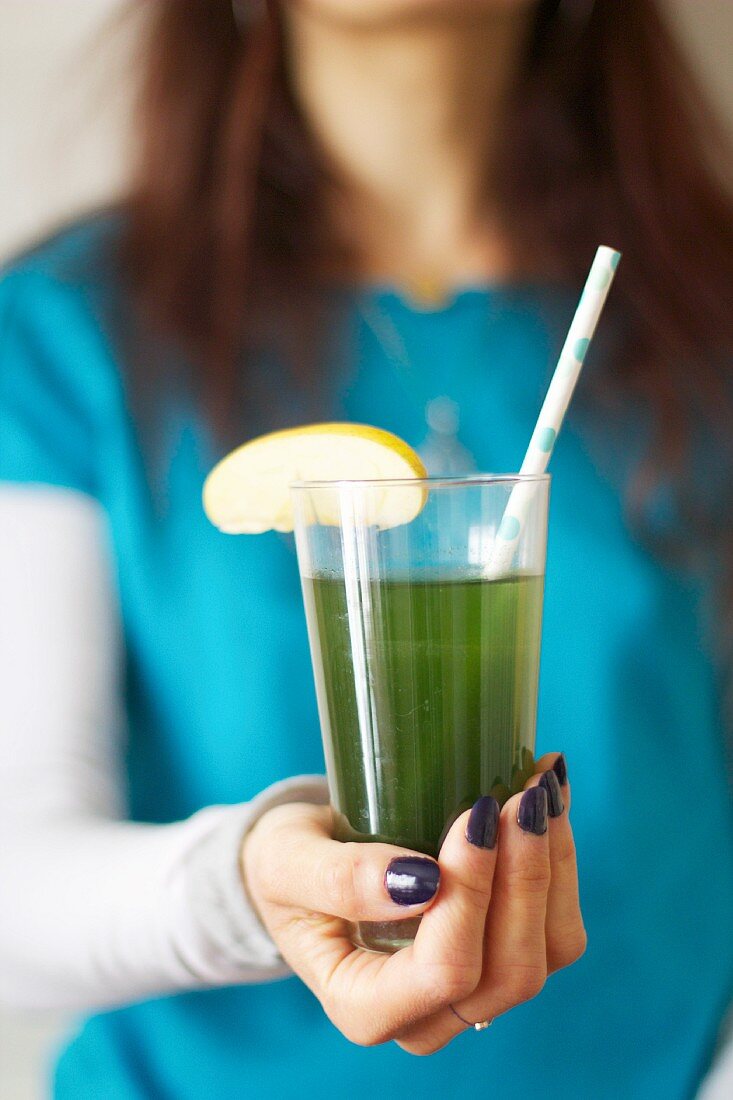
428	694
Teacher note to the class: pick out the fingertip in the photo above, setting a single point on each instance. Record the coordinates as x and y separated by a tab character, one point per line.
412	880
560	768
551	785
557	762
471	845
510	807
526	811
533	810
482	823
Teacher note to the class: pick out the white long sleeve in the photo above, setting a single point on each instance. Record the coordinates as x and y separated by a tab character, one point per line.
718	1085
97	911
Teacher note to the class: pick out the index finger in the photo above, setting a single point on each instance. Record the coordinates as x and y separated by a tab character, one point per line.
449	943
444	963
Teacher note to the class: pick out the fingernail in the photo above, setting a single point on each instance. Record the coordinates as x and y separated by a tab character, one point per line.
555	804
412	880
560	769
532	812
483	822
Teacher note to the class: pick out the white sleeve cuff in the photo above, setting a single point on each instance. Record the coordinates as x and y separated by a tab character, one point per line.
220	938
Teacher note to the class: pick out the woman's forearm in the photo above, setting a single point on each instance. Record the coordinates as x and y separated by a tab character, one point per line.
96	910
98	913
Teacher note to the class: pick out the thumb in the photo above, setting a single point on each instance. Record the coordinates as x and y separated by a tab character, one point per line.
293	861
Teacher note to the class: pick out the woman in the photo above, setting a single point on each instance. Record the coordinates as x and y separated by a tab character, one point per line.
378	210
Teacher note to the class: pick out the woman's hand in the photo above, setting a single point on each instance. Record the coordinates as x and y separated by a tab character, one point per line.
497	919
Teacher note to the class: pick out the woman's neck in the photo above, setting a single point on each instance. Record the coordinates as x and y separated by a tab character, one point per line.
407	116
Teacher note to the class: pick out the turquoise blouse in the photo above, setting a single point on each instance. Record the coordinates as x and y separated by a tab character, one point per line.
220	698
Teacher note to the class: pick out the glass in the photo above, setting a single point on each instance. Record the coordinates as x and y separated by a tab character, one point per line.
426	667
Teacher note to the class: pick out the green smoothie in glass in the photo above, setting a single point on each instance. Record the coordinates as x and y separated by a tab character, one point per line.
426	669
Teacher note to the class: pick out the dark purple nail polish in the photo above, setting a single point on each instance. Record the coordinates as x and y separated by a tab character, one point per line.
555	804
560	769
412	880
483	823
532	812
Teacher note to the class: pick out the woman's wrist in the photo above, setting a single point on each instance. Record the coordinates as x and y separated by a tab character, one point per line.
226	939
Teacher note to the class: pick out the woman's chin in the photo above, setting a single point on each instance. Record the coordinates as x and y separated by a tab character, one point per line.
376	12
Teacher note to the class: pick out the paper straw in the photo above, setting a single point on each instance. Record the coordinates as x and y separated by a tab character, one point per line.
555	405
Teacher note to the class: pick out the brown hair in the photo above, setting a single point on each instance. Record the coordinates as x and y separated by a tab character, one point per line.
606	139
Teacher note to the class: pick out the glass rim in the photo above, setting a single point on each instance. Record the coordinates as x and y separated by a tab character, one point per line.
468	480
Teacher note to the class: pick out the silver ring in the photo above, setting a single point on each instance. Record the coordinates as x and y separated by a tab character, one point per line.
480	1026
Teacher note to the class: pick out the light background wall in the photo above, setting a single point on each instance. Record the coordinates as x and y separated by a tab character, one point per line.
65	82
64	90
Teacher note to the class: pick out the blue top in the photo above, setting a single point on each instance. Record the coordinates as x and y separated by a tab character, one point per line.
221	700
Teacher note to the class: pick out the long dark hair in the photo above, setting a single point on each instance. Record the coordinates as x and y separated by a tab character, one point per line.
606	138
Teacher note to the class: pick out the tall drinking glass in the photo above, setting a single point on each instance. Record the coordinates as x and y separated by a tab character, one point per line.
426	663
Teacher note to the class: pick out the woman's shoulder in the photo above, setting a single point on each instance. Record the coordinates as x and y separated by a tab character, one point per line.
81	257
60	298
59	362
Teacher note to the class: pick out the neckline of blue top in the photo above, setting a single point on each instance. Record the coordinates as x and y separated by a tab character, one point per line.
417	301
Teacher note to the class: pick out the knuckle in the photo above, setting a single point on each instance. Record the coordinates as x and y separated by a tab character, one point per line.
524	983
364	1033
514	985
477	894
581	944
452	979
256	867
565	858
529	877
338	883
418	1048
462	983
565	949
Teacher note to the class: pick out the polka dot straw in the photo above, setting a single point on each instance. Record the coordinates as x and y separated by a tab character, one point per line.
555	405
